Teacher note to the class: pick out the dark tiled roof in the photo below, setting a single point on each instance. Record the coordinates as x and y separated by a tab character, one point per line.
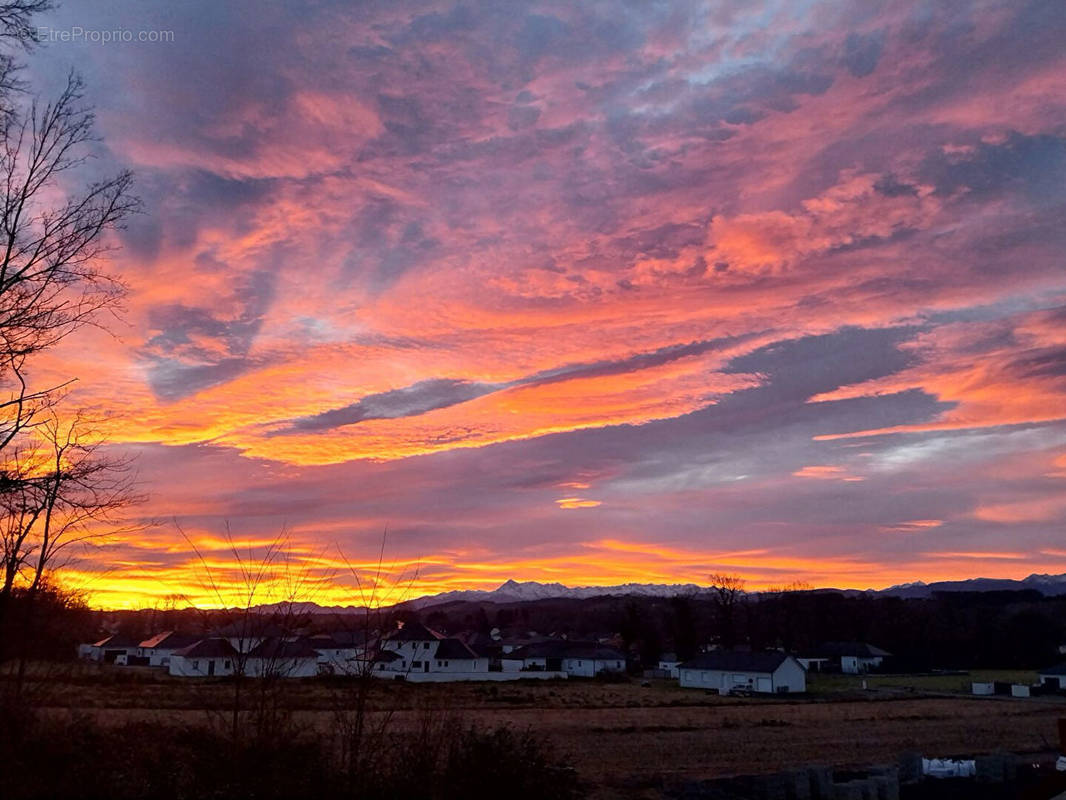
117	642
386	656
1058	669
561	648
453	648
413	632
208	648
856	649
283	648
170	640
738	661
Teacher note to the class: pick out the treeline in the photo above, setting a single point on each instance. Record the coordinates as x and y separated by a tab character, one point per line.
951	630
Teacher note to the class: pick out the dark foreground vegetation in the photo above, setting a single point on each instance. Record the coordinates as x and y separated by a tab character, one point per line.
75	756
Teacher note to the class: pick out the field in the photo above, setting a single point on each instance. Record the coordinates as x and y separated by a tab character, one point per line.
626	739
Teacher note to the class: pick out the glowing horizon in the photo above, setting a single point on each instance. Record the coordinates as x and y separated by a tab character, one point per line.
595	294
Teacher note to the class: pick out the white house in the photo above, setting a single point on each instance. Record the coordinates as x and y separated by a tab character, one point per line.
415	644
207	658
159	648
110	649
766	672
1054	678
339	652
423	654
282	658
668	663
577	659
854	658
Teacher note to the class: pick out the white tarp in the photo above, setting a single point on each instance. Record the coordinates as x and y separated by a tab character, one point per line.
948	768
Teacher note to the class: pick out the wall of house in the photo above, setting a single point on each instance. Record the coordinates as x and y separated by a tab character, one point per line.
446	677
790	674
854	665
339	660
282	668
589	667
198	667
671	668
459	665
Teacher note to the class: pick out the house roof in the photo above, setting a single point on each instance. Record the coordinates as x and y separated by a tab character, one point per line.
738	661
208	648
386	656
453	648
1058	669
170	640
480	643
118	640
283	648
669	657
855	649
561	648
338	639
413	632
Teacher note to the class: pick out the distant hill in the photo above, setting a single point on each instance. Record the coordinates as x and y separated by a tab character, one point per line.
1049	585
512	591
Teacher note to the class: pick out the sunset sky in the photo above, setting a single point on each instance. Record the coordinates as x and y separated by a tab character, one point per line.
584	292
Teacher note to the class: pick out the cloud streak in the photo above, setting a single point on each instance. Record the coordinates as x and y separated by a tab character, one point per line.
723	270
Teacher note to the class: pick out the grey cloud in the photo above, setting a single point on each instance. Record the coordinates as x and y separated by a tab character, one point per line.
410	401
861	53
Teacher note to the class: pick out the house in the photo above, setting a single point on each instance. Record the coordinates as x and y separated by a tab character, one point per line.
578	659
423	654
214	657
339	652
1054	678
158	649
111	649
668	663
853	658
766	672
386	664
282	658
455	655
248	631
414	643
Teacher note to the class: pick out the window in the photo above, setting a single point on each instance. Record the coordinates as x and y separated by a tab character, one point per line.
416	665
425	645
227	663
196	665
445	663
381	666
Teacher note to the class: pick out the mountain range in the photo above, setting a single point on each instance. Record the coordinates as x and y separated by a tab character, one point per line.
512	591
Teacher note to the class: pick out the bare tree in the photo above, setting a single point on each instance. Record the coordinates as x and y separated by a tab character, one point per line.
260	632
69	492
58	488
727	592
363	737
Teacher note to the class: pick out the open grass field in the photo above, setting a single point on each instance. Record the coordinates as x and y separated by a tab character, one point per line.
627	740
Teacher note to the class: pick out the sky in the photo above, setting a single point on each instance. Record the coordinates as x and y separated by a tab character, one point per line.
584	292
